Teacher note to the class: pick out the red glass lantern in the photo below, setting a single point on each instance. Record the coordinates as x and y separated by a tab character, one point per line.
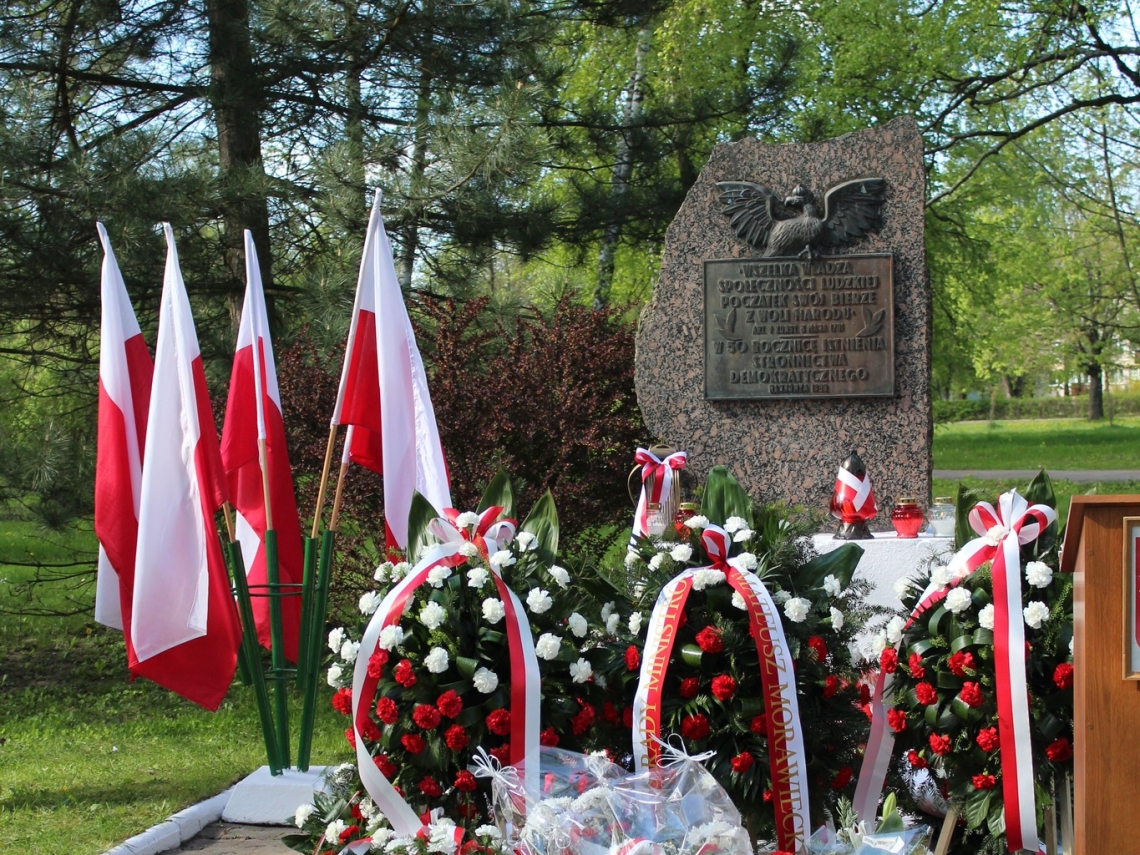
907	517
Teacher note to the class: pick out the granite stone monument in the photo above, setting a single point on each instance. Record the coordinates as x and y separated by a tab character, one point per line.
791	322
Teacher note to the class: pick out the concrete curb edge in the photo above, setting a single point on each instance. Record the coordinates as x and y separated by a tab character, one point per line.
175	829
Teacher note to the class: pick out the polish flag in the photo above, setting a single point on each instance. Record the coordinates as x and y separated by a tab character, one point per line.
253	414
383	391
184	624
125	369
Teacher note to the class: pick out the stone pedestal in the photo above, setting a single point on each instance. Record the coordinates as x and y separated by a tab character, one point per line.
264	799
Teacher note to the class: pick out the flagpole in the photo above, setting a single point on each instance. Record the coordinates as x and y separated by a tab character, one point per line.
329	449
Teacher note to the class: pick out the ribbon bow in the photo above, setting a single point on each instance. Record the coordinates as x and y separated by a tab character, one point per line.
662	473
490	534
716	542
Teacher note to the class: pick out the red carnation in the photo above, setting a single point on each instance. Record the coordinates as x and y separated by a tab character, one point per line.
584	720
864	693
916	760
387	711
819	646
426	716
499	722
632	658
610	713
983	782
404	675
465	781
695	726
723	687
371	732
342	701
760	724
830	686
939	744
742	762
549	738
348	833
413	743
889	660
926	694
450	704
689	687
971	695
350	735
961	662
387	768
842	778
915	665
627	717
1063	676
431	788
455	737
987	738
709	640
376	663
1060	751
896	718
502	753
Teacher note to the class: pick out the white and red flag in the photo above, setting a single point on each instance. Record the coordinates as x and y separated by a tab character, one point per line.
253	420
184	624
125	369
383	391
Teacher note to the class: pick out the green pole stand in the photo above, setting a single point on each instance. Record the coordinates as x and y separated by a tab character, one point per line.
306	613
312	673
279	673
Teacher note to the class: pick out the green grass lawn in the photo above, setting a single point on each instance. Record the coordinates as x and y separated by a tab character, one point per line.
87	758
1047	444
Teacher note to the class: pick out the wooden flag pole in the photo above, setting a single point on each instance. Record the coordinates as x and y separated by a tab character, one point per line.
329	448
947	832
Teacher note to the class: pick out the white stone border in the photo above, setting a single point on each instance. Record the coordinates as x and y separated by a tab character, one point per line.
176	829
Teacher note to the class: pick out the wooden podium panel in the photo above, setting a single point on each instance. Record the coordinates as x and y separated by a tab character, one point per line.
1106	737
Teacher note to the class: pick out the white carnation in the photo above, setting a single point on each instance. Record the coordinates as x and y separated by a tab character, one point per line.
578	625
381	574
939	576
836	619
631	559
1036	613
538	601
527	542
738	601
335	672
437	660
334	829
466	519
380	835
697	522
581	671
477	577
1038	574
559	575
369	602
391	636
707	577
742	536
437	575
348	651
894	629
781	596
635	623
468	549
995	534
612	624
489	831
958	600
797	609
986	617
902	587
493	610
399	571
681	552
336	639
485	680
368	808
442	838
302	815
502	558
879	643
547	646
831	586
608	609
744	561
401	844
656	561
432	615
735	524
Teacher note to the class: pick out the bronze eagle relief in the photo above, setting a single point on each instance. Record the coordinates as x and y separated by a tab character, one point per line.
850	210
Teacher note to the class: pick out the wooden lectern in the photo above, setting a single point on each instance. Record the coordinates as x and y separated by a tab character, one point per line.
1101	549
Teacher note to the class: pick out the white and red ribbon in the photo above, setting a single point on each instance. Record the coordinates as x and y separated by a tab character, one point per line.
663	474
786	754
1002	534
525	680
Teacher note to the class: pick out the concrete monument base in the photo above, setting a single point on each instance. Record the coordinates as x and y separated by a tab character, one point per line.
264	799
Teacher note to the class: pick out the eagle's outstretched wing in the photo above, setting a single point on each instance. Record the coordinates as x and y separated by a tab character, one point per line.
751	210
851	209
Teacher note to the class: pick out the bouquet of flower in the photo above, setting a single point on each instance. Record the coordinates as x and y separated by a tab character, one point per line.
710	689
446	666
945	702
855	837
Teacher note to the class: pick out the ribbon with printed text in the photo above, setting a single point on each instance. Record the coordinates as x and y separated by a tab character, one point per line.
787	757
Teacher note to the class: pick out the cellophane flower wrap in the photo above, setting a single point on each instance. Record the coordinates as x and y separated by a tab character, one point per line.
942	705
444	667
587	805
711	694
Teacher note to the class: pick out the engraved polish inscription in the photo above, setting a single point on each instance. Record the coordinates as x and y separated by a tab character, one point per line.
799	328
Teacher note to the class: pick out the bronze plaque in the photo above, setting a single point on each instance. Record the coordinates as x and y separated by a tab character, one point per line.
794	328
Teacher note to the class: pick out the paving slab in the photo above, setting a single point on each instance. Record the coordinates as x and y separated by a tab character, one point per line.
227	838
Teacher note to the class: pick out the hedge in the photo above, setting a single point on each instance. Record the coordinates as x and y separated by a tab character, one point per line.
1073	407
